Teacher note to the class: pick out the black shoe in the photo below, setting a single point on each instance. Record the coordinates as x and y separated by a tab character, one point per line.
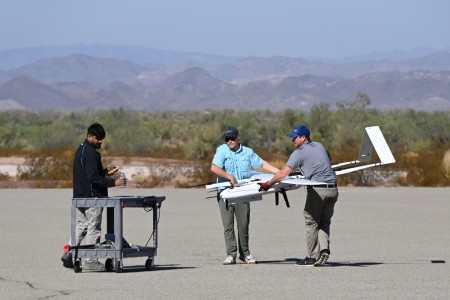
307	261
67	260
324	255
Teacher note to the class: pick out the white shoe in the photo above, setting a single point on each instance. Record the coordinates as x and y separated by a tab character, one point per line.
230	260
94	265
249	259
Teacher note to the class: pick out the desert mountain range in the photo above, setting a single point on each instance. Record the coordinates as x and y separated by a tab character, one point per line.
101	77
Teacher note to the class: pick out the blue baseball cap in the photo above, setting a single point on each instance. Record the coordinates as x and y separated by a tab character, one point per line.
299	131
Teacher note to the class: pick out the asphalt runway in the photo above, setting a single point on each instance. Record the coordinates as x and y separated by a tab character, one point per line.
387	243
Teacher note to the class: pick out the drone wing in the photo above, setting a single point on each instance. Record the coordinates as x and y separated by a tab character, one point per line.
250	191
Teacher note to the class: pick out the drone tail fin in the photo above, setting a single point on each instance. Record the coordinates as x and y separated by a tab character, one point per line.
373	138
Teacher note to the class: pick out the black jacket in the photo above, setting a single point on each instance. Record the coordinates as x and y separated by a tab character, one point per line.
89	180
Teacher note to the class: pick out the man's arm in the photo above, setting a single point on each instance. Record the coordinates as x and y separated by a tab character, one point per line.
92	173
221	173
285	171
270	168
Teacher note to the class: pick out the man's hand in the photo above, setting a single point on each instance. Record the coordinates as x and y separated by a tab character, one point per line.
264	186
120	181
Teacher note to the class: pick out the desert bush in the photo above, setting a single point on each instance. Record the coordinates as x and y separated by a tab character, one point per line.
47	164
425	168
4	176
194	135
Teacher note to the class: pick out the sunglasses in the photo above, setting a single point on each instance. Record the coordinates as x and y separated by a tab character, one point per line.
227	139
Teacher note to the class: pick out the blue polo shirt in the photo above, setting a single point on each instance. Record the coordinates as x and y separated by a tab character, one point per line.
238	163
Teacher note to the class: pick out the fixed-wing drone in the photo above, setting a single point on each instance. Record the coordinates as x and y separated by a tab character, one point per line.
247	190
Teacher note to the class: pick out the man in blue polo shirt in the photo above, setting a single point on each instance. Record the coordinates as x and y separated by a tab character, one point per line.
314	161
232	162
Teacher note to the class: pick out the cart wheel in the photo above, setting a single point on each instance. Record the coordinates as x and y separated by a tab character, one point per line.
77	266
149	264
109	265
118	267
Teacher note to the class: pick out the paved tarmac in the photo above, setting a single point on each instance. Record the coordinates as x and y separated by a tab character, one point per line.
387	243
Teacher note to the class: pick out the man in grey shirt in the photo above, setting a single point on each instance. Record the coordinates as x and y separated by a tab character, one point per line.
314	161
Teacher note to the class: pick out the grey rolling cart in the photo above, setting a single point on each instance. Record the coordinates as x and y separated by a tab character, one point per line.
115	248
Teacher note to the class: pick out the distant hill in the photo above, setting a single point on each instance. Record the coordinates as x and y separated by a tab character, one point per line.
79	81
34	95
15	58
79	68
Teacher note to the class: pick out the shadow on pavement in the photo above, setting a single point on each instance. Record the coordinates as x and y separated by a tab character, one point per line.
156	268
329	264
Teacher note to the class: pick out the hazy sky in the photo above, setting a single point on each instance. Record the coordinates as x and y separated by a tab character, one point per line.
298	28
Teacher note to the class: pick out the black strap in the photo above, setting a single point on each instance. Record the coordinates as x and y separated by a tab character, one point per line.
329	186
282	191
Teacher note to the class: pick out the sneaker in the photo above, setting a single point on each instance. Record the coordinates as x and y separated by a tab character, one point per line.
67	260
307	261
324	255
249	259
94	265
230	260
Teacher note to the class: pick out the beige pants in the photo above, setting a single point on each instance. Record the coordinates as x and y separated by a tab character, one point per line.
319	209
89	221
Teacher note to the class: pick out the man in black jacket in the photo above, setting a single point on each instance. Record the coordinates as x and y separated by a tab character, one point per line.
90	181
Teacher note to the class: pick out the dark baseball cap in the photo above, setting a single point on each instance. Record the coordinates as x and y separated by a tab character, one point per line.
230	132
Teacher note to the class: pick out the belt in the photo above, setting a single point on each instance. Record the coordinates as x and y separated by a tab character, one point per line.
328	186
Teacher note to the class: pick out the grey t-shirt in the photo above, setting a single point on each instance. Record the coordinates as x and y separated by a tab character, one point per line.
314	161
